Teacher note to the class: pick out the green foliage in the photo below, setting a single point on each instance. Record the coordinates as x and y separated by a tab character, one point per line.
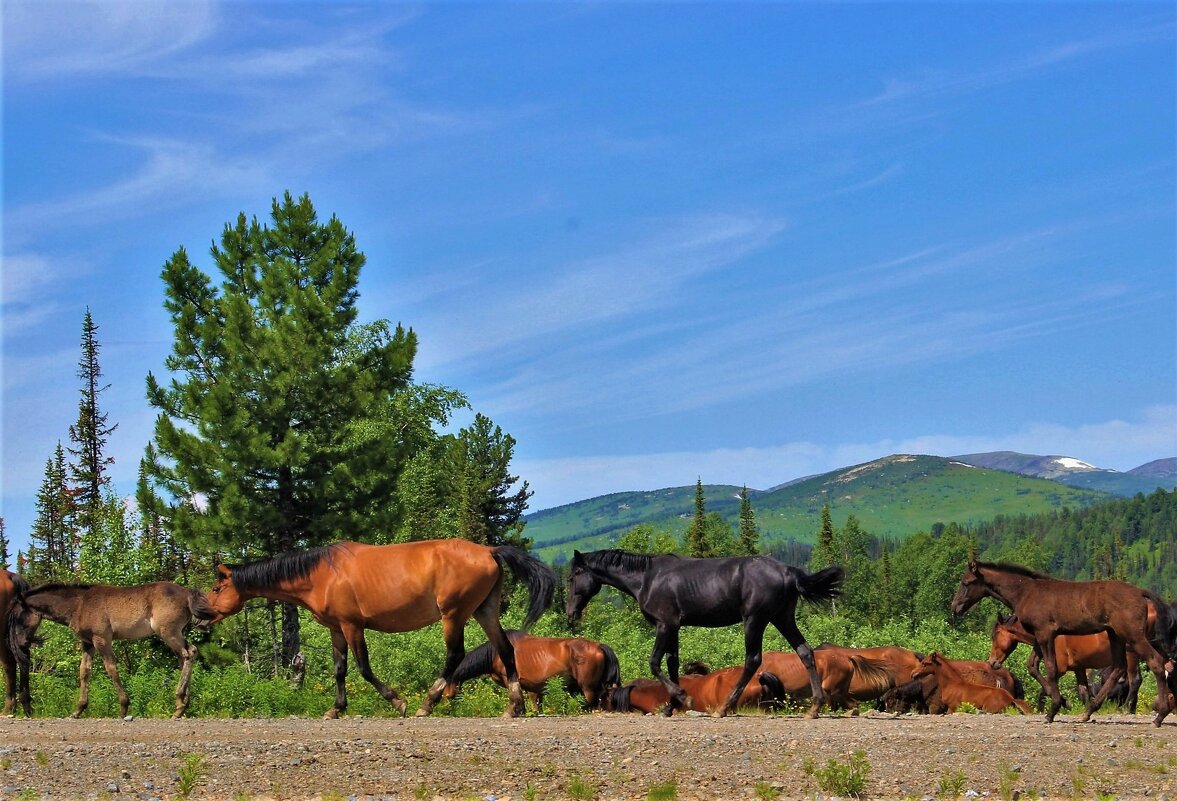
191	772
488	511
951	784
697	543
845	779
581	789
749	530
663	791
766	792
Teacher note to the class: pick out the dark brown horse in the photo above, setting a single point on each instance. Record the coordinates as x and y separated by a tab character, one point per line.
350	587
99	615
12	585
588	667
955	690
1076	653
707	690
1048	607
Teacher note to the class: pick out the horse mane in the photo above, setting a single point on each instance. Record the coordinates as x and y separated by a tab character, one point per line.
480	660
1009	567
696	668
265	573
626	560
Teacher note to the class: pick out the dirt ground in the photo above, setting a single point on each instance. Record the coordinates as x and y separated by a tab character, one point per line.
602	756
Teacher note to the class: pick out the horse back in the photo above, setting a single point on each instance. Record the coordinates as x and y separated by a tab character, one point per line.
402	587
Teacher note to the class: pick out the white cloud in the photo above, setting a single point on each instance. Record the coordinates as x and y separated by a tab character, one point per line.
1112	444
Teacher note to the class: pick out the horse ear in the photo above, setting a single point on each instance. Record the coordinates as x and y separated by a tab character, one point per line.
223	572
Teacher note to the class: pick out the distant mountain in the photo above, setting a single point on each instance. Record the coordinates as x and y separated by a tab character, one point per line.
1076	473
891	497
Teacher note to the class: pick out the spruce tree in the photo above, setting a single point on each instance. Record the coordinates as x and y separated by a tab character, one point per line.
749	531
90	434
4	546
825	553
697	544
488	511
53	541
278	429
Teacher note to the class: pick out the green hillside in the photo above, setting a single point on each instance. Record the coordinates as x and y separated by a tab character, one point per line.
891	497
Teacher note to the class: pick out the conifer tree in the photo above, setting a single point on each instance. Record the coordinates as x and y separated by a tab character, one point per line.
488	511
825	552
697	544
278	429
53	542
90	434
4	546
749	531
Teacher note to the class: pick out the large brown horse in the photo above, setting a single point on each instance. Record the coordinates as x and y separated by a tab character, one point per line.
955	690
707	690
350	587
587	667
1048	607
1076	653
847	676
11	585
99	615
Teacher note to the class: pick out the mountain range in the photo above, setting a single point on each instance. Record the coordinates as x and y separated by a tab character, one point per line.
891	497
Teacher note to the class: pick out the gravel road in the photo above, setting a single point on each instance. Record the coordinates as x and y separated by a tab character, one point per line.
603	756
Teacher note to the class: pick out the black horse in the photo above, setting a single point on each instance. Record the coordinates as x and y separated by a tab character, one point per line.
674	591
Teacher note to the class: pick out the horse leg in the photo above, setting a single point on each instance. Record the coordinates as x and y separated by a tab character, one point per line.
359	648
112	671
9	680
666	645
180	647
1156	664
753	646
1032	663
1119	667
1084	689
1134	680
1047	652
84	679
487	615
786	624
339	653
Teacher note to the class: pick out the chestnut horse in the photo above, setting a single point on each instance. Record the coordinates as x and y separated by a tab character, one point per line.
99	615
1073	652
12	585
954	690
707	691
350	587
675	591
1048	607
923	694
847	677
588	667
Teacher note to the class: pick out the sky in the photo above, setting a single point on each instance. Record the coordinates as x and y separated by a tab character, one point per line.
655	242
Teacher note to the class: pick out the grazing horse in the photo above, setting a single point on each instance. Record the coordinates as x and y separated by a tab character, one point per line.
99	614
588	667
11	586
1073	652
350	587
707	691
674	591
1048	607
955	690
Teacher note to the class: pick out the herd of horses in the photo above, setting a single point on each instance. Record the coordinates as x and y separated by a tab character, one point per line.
351	588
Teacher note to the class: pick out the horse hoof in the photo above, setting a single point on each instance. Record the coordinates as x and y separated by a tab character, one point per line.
401	706
331	714
421	713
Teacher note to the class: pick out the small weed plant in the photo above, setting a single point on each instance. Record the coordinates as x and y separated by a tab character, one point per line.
663	791
581	790
766	792
951	785
191	773
844	779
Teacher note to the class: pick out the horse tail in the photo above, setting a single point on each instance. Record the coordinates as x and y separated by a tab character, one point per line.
824	585
540	579
875	672
198	606
612	677
477	662
21	637
1017	691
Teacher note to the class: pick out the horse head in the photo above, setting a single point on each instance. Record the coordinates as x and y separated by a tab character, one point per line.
23	621
927	665
582	586
973	588
1003	639
224	597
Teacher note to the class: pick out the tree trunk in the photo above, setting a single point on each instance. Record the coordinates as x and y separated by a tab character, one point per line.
291	641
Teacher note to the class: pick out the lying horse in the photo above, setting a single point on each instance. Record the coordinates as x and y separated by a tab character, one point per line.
955	690
99	614
846	677
12	585
588	667
707	691
1075	653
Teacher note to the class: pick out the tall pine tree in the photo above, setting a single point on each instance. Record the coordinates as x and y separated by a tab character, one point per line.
488	511
89	436
53	541
278	430
5	557
697	544
749	531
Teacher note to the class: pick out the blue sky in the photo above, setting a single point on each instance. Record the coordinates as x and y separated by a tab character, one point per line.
654	242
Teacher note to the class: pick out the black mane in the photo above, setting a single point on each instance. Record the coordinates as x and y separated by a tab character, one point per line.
266	573
625	560
55	586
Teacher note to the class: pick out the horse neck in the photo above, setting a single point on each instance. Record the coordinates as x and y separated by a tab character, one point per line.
943	670
627	580
59	605
1009	588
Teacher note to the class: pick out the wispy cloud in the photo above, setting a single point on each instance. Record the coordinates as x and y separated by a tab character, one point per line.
1112	444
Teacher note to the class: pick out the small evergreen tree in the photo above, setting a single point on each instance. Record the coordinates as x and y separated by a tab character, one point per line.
4	546
749	531
53	542
696	542
90	434
488	512
825	552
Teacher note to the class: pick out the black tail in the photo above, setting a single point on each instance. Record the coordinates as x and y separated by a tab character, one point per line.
476	663
612	677
617	699
773	690
540	579
21	636
824	585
